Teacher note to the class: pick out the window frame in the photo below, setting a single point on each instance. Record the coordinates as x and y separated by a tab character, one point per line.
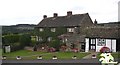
41	29
49	39
53	29
71	29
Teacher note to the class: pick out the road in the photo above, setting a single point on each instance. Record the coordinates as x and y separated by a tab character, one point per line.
52	62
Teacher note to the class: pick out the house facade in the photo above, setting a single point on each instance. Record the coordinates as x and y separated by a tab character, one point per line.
102	36
79	31
72	25
96	44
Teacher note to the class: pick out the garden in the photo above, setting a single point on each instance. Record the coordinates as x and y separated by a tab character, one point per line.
32	55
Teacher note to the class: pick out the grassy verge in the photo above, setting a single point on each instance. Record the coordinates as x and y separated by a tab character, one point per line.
114	54
30	55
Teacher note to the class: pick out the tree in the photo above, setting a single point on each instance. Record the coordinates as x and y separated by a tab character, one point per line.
25	40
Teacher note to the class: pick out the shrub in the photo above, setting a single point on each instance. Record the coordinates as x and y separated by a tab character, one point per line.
25	40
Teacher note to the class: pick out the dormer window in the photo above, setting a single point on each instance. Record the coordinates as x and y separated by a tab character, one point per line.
41	29
53	29
70	29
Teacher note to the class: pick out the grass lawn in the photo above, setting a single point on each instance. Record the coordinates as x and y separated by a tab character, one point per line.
114	54
30	55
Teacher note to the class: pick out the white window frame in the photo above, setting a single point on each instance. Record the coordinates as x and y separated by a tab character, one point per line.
92	47
92	41
53	29
49	39
70	29
40	39
41	29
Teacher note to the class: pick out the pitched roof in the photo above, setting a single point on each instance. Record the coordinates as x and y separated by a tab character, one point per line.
71	38
76	38
103	32
110	24
73	20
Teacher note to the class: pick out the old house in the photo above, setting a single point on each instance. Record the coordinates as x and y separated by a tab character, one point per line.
72	24
104	34
80	32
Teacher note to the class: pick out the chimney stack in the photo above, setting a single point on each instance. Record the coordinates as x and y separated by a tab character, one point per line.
55	15
45	16
95	22
69	13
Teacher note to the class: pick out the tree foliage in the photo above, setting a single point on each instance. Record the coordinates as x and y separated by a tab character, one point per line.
9	39
25	40
16	41
55	43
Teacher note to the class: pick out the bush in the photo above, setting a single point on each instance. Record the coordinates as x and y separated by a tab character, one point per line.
55	44
25	40
33	43
15	47
7	39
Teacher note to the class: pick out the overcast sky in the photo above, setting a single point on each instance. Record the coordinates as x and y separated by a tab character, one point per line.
31	11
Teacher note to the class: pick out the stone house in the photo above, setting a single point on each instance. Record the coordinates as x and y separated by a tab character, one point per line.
81	31
73	23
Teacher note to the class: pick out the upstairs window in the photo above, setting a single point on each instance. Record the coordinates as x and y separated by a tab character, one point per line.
53	29
70	29
41	29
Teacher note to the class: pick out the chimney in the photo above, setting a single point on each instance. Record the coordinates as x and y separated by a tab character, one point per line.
55	15
45	16
69	13
95	22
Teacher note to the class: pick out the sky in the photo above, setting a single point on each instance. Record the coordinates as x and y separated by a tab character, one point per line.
14	12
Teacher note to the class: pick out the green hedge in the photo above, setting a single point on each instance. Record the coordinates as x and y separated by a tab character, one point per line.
16	41
7	39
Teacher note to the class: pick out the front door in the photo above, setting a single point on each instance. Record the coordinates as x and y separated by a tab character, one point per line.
83	47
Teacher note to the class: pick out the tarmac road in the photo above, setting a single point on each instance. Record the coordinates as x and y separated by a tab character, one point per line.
52	62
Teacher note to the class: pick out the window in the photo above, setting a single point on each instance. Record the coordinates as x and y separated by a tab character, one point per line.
39	39
92	41
93	44
101	42
53	29
70	29
41	29
92	47
64	40
49	39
